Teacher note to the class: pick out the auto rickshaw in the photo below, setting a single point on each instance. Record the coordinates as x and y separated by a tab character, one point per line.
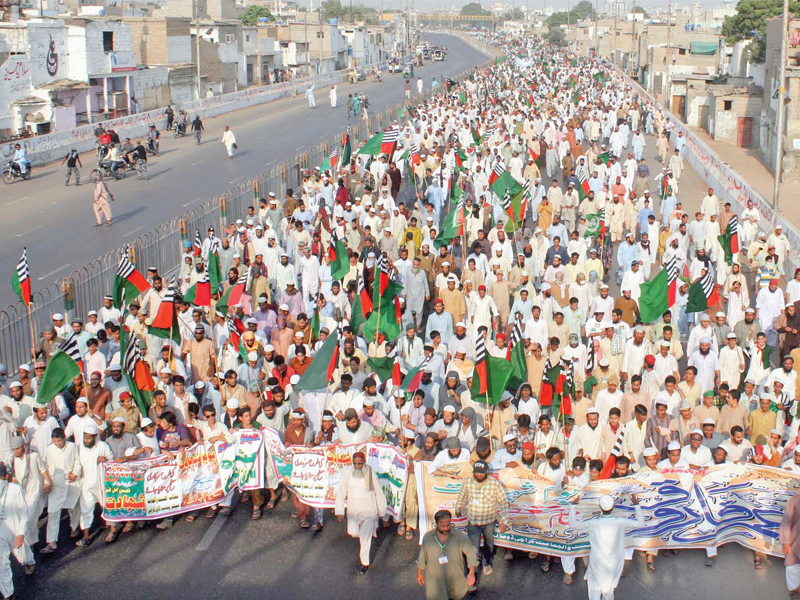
408	70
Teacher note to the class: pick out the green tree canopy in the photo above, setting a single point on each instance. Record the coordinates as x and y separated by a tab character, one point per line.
474	9
253	13
639	9
333	9
750	23
555	36
583	10
514	15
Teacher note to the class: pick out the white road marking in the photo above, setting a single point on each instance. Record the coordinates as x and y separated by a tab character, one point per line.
212	532
132	231
61	268
29	231
237	179
198	163
17	200
192	201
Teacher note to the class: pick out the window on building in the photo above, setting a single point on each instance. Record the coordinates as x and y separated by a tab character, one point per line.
246	37
108	41
727	104
682	51
229	38
320	34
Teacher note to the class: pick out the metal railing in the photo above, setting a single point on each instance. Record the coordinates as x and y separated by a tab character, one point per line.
83	289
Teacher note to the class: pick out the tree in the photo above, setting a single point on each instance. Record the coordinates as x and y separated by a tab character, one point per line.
514	15
253	13
582	10
474	9
750	23
643	12
555	36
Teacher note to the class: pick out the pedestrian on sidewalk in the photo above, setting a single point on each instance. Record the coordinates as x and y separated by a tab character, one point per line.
229	140
101	197
72	159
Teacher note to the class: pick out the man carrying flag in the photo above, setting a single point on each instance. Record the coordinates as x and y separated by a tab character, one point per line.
21	281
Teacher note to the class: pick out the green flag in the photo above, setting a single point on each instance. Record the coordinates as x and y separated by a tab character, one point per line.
340	265
357	314
214	272
373	146
654	302
60	372
315	323
520	365
346	150
516	208
729	245
452	226
319	373
498	373
383	367
505	182
387	324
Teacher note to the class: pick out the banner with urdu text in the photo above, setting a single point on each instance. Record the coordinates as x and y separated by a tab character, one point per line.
195	478
314	474
682	508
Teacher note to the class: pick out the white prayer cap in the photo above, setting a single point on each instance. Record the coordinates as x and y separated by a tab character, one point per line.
283	307
24	367
461	324
407	433
509	437
705	340
91	429
449	409
446	263
776	432
545	286
119	420
650	452
253	356
199	385
269	348
58	317
592	411
166	370
603	286
709	421
696	432
91	313
17	442
15	384
146	422
606	503
674	445
232	403
82	399
369	401
603	362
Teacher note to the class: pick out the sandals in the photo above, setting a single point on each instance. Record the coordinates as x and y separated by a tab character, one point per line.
567	579
83	543
128	527
211	513
225	511
757	564
246	497
401	529
651	567
47	550
111	537
545	566
305	524
409	534
316	527
532	555
256	514
272	503
190	518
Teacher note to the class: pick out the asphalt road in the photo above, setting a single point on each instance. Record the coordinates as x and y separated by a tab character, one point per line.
56	222
235	557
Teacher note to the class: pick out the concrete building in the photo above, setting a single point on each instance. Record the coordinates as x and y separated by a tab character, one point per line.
734	112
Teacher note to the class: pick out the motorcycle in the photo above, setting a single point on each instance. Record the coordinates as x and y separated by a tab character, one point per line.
12	172
152	147
179	130
104	169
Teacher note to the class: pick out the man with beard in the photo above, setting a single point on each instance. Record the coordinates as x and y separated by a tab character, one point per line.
453	453
416	291
788	326
460	341
355	431
445	555
124	446
447	426
29	471
439	320
61	460
91	452
450	392
366	503
706	361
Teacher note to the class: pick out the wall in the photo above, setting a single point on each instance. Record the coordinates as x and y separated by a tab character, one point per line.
151	87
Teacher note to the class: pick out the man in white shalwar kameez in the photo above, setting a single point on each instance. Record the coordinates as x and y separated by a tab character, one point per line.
361	492
61	461
30	473
13	522
91	452
333	97
312	102
607	546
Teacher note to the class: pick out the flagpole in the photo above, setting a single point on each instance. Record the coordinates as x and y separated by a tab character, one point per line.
378	323
33	337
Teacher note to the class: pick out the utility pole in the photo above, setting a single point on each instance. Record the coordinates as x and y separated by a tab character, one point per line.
196	18
633	36
319	40
780	109
669	55
596	32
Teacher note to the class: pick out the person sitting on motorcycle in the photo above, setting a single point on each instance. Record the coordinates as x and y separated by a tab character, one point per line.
21	158
103	140
113	158
152	137
182	118
125	150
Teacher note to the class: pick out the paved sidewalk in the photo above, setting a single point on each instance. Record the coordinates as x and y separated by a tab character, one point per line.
745	161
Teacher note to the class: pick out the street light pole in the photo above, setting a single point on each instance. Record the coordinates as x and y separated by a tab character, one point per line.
776	190
196	17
